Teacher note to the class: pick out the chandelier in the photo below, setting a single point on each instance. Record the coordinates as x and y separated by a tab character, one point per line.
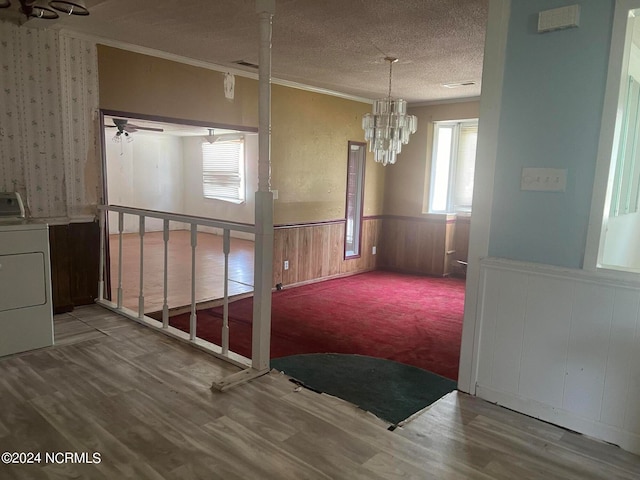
389	126
50	12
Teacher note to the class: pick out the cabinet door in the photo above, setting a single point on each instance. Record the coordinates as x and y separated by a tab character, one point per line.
22	281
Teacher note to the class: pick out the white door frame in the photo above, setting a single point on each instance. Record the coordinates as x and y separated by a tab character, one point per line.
488	125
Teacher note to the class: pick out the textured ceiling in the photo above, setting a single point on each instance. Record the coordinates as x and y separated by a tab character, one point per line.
338	45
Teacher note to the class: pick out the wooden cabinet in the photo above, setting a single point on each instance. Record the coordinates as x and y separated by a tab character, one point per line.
75	254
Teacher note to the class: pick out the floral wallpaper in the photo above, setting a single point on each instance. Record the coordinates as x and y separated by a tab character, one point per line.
48	101
79	74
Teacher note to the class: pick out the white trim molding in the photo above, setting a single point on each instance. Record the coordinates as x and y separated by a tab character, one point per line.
490	103
443	101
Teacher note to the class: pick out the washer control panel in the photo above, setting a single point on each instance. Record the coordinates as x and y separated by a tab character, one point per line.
11	205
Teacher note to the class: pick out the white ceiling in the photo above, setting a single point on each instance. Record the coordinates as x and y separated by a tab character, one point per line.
338	45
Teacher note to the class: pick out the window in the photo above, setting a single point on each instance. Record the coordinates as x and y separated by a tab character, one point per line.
223	170
355	188
615	216
452	167
627	167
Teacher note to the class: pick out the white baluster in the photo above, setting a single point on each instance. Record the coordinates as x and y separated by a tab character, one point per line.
193	318
120	230
141	297
226	247
165	306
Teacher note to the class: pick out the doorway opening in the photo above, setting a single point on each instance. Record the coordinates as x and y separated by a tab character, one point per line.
183	168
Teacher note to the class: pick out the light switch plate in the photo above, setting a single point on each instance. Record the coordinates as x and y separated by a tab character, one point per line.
544	179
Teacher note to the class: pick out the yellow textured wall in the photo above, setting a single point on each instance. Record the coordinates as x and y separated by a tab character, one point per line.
407	182
309	154
310	131
135	83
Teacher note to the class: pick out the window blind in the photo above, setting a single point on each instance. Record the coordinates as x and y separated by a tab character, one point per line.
223	170
465	167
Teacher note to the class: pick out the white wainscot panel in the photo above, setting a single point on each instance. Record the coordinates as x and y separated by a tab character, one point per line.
561	345
624	338
546	336
588	349
503	316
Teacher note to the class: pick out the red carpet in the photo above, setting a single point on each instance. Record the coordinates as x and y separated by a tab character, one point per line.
409	319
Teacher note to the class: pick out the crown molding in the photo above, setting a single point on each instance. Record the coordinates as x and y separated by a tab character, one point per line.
429	103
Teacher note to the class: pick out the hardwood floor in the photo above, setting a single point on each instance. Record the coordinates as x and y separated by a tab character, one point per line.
143	402
209	268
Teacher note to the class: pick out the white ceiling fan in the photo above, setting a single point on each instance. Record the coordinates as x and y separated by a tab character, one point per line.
125	128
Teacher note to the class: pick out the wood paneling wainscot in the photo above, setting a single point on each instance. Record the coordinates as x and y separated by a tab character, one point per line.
316	251
423	245
461	244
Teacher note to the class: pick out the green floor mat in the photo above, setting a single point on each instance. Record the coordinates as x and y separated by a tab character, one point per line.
390	390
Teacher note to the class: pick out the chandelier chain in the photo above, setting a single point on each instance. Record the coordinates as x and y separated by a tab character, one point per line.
391	61
390	70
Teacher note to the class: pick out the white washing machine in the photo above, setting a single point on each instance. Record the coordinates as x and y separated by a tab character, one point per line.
26	313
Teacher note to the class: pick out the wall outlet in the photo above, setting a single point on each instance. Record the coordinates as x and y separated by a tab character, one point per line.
286	264
373	250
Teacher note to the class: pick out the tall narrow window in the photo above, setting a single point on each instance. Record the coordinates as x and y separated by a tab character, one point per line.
223	170
355	190
453	166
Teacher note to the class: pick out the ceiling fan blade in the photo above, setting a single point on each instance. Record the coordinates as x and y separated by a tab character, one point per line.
149	129
123	124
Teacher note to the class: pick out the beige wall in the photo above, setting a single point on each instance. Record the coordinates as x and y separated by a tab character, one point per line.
310	131
407	182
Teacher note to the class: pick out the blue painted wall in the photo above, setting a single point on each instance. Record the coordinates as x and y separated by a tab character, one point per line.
552	102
